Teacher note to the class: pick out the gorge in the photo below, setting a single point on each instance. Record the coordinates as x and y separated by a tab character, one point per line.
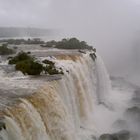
82	104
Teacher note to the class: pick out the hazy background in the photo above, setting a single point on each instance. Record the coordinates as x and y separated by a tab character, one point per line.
112	26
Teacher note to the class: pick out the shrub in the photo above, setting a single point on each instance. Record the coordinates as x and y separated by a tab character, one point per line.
48	62
21	56
72	43
27	64
29	67
4	50
93	56
50	68
23	41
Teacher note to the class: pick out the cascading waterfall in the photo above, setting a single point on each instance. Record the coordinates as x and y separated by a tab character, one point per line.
103	82
61	109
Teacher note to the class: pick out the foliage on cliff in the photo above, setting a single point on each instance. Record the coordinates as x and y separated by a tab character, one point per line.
72	43
50	68
4	50
29	65
23	41
21	56
93	56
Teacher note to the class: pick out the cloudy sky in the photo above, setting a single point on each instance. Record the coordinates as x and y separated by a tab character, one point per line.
110	25
68	13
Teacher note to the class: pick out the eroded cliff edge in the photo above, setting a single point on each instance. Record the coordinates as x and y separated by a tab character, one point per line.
58	107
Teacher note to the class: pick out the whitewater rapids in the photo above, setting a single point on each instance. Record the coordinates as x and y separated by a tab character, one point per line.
71	108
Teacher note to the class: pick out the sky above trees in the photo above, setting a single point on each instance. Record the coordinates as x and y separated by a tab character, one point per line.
111	26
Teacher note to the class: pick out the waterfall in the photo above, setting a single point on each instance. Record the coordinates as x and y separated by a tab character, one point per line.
61	109
103	82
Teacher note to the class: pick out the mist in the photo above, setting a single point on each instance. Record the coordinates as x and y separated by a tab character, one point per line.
111	26
50	91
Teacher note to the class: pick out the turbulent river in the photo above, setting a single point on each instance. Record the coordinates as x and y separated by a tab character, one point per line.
82	104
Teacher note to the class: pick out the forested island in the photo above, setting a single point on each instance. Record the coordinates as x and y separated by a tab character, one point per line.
66	43
29	64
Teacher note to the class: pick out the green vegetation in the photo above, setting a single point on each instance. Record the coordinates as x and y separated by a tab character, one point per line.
28	64
50	68
21	56
4	50
48	62
49	44
2	125
71	43
29	67
93	56
23	41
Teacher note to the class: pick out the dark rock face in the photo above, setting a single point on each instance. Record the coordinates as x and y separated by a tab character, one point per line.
93	137
120	124
137	92
108	137
136	97
134	113
133	110
93	56
121	135
136	101
2	125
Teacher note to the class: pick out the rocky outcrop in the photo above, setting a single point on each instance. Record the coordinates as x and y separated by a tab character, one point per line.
121	135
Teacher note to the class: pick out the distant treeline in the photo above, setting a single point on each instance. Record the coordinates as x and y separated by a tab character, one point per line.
29	65
69	43
22	41
23	32
4	50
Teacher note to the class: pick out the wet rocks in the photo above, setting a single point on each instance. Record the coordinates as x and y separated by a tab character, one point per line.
134	113
2	124
108	137
82	51
136	97
121	135
93	56
93	137
121	124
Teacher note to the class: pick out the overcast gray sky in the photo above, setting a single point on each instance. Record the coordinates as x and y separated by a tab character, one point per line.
69	13
110	25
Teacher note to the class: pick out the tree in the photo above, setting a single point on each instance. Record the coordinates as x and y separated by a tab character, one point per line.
48	62
4	50
29	67
27	64
72	43
21	56
50	68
